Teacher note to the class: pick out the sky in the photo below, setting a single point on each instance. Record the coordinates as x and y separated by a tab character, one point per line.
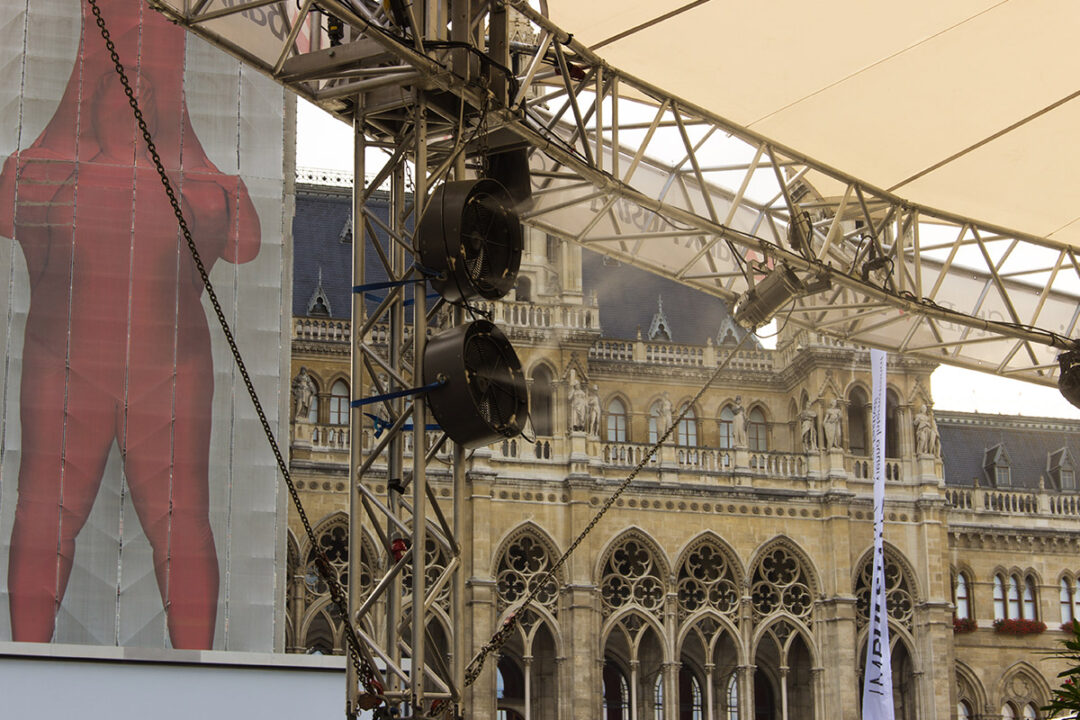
325	143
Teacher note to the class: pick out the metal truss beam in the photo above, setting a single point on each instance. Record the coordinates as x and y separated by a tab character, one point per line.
628	170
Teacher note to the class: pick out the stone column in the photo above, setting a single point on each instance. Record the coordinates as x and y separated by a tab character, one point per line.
710	691
527	660
783	692
746	691
634	688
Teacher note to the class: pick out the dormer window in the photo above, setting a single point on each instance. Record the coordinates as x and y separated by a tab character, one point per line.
1062	470
998	467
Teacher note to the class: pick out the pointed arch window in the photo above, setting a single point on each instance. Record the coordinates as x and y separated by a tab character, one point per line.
687	431
1030	606
727	417
1029	712
732	697
961	599
757	431
654	414
339	403
892	436
616	421
540	402
658	697
616	693
1069	597
1013	598
999	597
1008	712
856	417
963	710
691	706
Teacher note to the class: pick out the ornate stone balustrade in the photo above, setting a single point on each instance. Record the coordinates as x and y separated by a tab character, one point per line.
321	329
860	466
779	464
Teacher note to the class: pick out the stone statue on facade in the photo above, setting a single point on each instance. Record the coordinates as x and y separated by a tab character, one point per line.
808	427
303	392
578	404
663	420
831	425
738	424
593	413
927	441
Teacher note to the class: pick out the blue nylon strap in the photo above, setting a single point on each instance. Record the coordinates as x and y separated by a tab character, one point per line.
381	425
396	394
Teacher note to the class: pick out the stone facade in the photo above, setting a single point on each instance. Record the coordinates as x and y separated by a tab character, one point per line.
731	579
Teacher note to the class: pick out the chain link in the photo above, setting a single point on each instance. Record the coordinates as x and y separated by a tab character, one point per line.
502	635
365	671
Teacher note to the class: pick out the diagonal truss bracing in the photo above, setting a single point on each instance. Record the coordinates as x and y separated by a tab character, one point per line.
625	169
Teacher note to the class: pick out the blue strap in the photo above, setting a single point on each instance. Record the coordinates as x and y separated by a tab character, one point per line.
396	394
381	425
379	298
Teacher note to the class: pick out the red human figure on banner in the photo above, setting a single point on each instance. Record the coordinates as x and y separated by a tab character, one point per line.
117	344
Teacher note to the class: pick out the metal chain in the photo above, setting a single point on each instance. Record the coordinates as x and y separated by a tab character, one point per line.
364	669
502	635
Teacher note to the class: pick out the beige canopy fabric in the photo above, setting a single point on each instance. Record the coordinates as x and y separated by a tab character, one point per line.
968	106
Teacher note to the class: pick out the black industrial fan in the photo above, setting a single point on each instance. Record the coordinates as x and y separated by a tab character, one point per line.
471	238
483	396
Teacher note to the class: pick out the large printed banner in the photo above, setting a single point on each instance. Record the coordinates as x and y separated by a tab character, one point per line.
139	505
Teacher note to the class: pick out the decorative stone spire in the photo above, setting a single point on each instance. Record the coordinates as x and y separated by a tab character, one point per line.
660	329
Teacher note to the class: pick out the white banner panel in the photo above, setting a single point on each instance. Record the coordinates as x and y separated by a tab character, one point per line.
877	696
138	504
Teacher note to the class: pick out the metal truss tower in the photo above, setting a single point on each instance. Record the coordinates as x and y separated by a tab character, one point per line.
622	167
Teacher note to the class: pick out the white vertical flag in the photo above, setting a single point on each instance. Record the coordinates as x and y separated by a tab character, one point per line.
877	696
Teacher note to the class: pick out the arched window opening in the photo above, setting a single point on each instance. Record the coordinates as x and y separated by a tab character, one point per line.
313	409
1030	713
687	431
999	597
616	421
1008	712
757	432
541	402
961	600
1013	598
509	690
691	705
658	697
731	698
856	416
892	425
963	710
727	417
339	403
320	636
1065	598
654	415
523	289
616	693
1030	605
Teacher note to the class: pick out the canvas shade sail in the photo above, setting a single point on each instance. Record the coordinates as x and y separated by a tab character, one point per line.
934	137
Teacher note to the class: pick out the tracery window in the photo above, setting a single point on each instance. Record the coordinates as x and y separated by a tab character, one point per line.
707	578
898	595
435	561
1015	597
523	565
616	421
631	575
732	698
324	630
339	403
757	432
781	583
658	697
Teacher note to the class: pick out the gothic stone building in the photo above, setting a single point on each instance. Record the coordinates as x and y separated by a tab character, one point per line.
732	579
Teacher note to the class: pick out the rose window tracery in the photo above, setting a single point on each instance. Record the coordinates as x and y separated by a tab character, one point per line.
898	598
334	542
707	579
523	566
780	583
631	576
435	562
